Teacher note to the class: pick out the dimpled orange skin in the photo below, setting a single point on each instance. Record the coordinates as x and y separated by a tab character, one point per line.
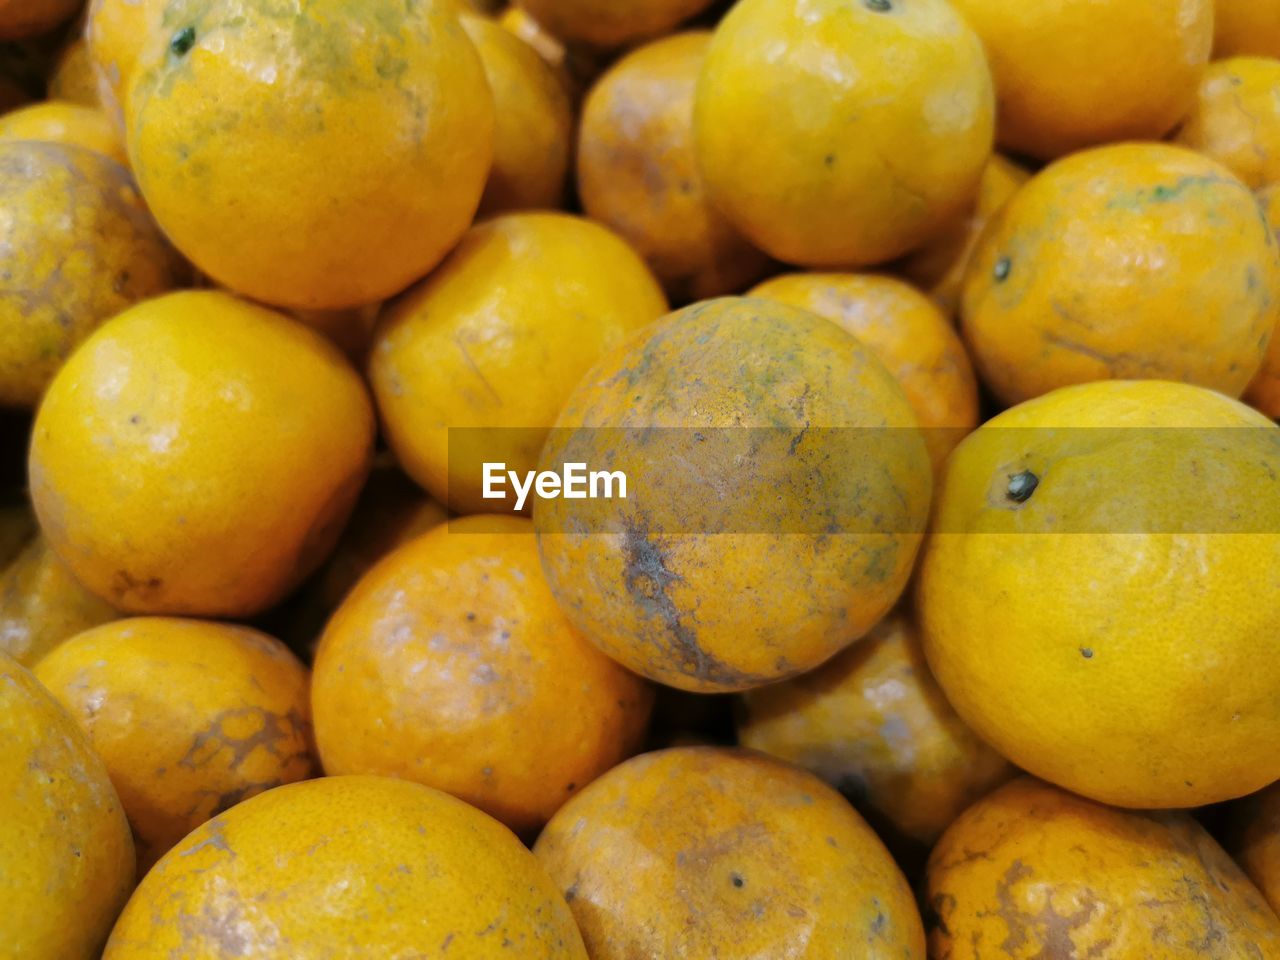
450	664
1264	392
343	868
66	859
63	122
81	249
26	18
534	128
873	723
705	852
1236	120
73	78
1130	261
42	604
1258	847
724	592
226	139
908	333
939	266
637	171
190	717
113	32
199	455
1122	613
1032	871
1246	27
1076	73
611	23
782	159
497	337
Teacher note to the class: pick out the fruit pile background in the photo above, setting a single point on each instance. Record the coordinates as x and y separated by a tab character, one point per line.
278	680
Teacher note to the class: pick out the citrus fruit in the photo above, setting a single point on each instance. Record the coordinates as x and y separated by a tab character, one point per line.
64	122
1258	850
1264	391
73	78
1246	27
1236	119
611	23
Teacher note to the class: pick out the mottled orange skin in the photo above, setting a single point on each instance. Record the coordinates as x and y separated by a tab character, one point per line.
114	31
26	18
908	333
1072	74
837	134
1032	871
321	156
81	249
199	456
73	78
637	171
534	122
190	717
702	852
42	604
345	868
496	338
1131	261
939	266
64	122
450	664
1236	119
1264	391
1257	847
1248	27
873	723
709	577
611	23
66	859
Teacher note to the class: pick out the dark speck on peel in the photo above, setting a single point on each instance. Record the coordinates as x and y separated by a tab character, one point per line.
1022	486
1004	266
1086	652
183	41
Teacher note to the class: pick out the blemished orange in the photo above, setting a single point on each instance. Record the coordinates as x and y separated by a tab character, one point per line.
348	867
66	858
907	332
1236	119
1130	261
113	33
747	429
575	64
710	852
190	717
611	23
81	248
939	266
873	723
1264	392
42	604
1078	73
783	161
1257	846
199	455
496	338
1033	871
1113	545
450	664
73	78
352	143
20	19
534	122
53	121
637	171
1246	27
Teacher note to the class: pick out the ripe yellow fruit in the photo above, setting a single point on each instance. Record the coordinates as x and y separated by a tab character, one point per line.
114	31
348	867
1236	119
73	78
611	23
324	156
64	122
843	134
199	455
1249	27
66	858
1257	847
1264	391
1113	545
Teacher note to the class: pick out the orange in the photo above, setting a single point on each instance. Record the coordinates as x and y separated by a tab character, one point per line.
907	333
873	723
1236	120
576	65
73	78
352	142
347	867
493	342
350	330
1131	261
1258	850
1246	27
638	174
779	148
1264	391
199	455
81	248
778	485
534	122
190	717
113	32
1077	73
1031	871
1113	547
611	23
705	852
450	664
26	18
42	604
63	122
66	860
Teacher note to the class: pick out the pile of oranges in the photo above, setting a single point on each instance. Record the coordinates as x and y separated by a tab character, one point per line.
934	341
